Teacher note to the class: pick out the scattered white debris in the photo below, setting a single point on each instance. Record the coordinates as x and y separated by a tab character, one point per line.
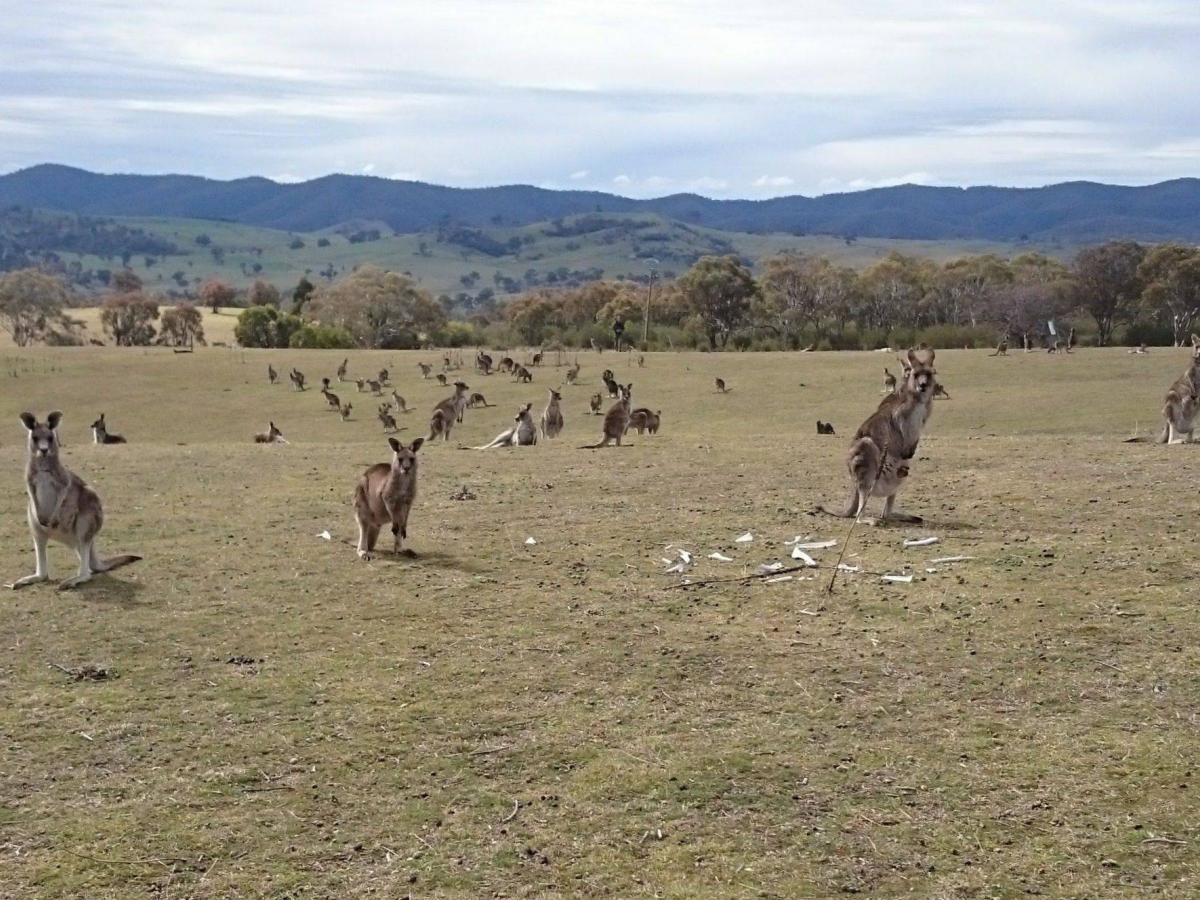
720	557
745	538
921	542
529	542
685	556
799	554
902	579
949	559
678	567
811	545
930	571
778	578
846	567
325	534
767	568
685	562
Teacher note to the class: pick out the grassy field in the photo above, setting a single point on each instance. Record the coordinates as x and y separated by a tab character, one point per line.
562	718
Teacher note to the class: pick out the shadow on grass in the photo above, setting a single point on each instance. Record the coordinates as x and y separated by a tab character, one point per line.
426	560
110	589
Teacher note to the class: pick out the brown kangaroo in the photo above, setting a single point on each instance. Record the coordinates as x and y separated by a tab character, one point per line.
271	436
385	493
616	421
100	433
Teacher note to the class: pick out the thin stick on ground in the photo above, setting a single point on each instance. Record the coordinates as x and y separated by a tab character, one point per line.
857	516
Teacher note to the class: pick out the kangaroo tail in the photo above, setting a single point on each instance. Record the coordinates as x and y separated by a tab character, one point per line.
107	565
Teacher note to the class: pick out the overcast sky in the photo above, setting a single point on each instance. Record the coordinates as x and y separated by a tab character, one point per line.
639	97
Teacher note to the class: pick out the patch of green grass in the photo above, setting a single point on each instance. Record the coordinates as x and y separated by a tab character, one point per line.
560	719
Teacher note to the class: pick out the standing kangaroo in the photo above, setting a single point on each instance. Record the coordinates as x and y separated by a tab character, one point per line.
100	433
1001	348
721	388
889	382
881	455
616	420
343	368
387	419
552	417
573	373
385	493
61	507
297	378
335	403
400	404
272	375
449	411
595	403
1182	403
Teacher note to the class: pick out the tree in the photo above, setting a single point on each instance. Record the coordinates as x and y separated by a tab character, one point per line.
321	337
799	291
1107	283
895	290
301	294
266	326
127	317
32	305
262	293
214	294
1171	275
379	309
1037	292
126	282
718	290
962	288
182	326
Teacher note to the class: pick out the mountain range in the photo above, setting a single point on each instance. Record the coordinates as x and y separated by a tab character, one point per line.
1074	212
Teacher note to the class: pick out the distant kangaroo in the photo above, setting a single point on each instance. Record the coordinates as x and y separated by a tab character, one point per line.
881	455
573	373
1001	348
506	364
100	433
385	494
343	368
478	399
536	360
552	417
272	375
824	427
523	375
61	507
384	377
441	378
425	368
360	385
331	398
345	412
400	404
483	362
271	436
375	386
610	382
616	420
644	419
297	379
889	382
387	419
721	388
596	402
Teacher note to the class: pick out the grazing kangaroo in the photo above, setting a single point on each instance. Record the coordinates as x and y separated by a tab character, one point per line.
644	419
596	402
552	417
385	493
721	388
272	375
1001	348
610	382
271	436
1183	402
506	364
523	375
297	378
100	433
343	369
889	382
425	368
387	419
345	412
881	455
478	399
400	404
522	434
61	507
616	420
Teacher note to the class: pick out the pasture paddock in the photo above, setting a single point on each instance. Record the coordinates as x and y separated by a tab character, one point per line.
500	719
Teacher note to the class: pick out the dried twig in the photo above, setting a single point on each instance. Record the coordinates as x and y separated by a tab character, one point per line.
512	815
1162	840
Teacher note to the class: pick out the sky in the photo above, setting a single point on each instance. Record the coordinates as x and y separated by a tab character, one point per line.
727	99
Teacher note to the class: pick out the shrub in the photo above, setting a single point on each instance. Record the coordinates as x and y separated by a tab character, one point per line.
321	337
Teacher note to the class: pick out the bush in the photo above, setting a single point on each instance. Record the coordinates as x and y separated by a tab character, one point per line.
265	326
321	337
1152	334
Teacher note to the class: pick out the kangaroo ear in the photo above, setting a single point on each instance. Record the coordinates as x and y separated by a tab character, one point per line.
29	420
53	418
394	444
416	445
912	357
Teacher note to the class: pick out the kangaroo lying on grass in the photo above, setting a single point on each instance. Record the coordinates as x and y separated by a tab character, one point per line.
885	444
61	507
523	434
385	493
271	436
100	433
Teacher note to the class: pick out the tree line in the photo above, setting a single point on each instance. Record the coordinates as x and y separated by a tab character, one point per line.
1152	293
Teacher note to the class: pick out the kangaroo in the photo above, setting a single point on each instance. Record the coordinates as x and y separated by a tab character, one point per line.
1139	350
596	401
616	421
596	346
441	378
940	391
345	412
385	493
343	369
483	362
522	434
1001	348
384	377
641	361
506	364
1183	402
100	433
610	382
400	404
387	419
446	363
449	411
721	388
881	455
824	427
271	436
360	385
552	417
297	378
335	404
478	399
425	368
644	419
573	373
272	375
61	507
889	382
523	375
375	386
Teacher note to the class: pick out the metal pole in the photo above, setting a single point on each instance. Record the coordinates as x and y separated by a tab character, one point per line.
646	318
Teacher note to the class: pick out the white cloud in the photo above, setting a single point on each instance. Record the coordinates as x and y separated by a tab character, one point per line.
622	179
772	181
